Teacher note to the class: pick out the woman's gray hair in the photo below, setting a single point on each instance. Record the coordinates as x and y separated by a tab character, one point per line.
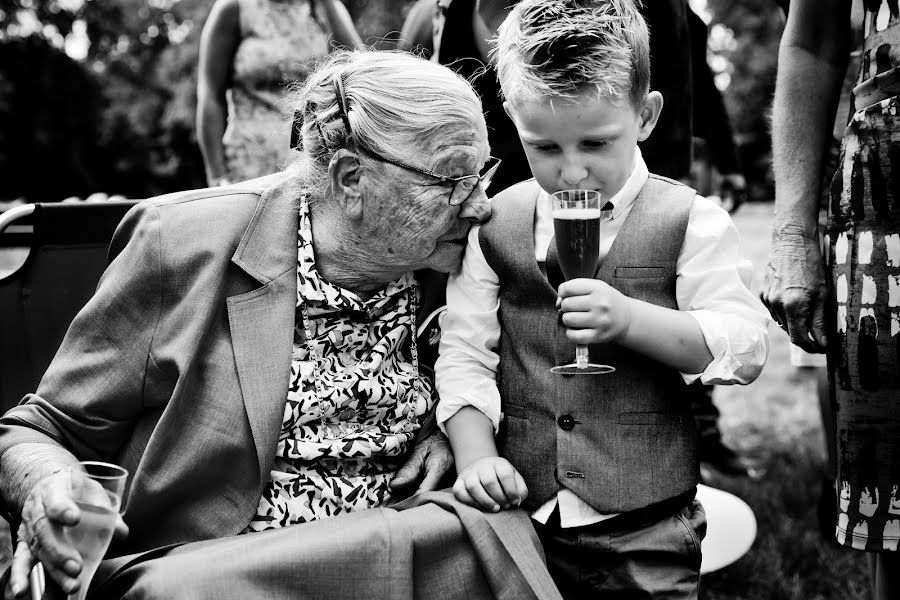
397	105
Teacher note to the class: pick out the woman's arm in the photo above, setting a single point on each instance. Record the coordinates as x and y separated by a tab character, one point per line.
218	42
812	60
87	401
415	35
341	24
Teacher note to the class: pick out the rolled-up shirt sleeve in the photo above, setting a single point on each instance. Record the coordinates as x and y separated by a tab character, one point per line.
712	285
466	368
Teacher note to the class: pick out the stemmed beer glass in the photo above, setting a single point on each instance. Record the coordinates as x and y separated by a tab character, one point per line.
576	224
97	489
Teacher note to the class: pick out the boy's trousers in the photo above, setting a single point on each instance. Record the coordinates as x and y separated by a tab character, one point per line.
627	558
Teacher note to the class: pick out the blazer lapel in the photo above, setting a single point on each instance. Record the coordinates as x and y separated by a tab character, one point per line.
262	320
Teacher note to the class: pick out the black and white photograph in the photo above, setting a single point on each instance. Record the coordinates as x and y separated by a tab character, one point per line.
450	299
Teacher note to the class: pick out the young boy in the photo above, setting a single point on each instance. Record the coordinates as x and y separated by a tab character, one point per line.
607	463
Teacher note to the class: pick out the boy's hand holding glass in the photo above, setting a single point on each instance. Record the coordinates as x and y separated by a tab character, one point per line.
490	483
593	311
576	224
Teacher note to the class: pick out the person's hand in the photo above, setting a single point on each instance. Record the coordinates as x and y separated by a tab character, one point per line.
47	510
491	483
429	461
794	288
593	311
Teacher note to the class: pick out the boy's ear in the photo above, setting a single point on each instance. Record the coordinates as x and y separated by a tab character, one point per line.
649	114
344	175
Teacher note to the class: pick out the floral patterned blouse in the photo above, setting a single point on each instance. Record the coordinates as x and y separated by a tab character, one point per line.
366	369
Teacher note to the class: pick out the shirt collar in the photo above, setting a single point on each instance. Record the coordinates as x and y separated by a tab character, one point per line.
625	197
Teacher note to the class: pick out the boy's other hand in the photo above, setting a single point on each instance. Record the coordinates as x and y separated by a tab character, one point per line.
594	311
491	483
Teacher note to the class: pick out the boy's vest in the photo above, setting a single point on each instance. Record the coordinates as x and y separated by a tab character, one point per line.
620	441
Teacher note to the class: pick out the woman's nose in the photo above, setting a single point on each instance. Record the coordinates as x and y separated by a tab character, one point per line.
476	208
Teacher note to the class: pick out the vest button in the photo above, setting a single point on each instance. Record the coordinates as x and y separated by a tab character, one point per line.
566	422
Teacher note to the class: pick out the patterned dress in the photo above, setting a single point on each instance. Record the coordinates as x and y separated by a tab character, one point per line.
280	40
367	375
863	263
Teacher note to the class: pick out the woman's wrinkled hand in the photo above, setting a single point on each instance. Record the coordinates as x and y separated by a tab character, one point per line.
429	461
794	287
48	509
491	483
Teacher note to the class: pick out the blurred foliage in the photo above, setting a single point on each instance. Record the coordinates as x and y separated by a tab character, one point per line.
744	39
119	116
49	108
135	136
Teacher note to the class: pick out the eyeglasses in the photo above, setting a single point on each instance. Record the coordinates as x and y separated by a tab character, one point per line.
461	187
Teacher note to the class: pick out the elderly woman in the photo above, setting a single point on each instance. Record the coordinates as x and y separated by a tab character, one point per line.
250	354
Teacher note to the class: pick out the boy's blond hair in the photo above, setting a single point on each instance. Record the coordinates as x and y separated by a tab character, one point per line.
556	48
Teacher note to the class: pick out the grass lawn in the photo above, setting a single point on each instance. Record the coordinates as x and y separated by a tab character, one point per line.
776	419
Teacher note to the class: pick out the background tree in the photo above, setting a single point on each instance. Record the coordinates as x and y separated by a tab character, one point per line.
49	114
99	95
743	51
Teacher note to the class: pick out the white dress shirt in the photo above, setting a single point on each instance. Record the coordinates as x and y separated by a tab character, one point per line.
712	279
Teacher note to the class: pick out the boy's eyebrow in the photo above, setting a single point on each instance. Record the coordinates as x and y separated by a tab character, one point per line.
535	140
590	135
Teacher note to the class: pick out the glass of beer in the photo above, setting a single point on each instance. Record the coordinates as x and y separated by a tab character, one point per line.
576	224
97	489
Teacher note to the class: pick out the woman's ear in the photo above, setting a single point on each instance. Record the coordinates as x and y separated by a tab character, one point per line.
344	175
649	114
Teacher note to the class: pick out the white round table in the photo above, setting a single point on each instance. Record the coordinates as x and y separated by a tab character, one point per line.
730	531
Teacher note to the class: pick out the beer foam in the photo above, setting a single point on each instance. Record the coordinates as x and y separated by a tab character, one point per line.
577	214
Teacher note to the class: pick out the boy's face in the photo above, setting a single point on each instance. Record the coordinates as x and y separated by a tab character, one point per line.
583	143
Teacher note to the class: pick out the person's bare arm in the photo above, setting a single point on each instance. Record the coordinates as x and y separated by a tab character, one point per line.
812	60
483	36
471	436
485	479
595	312
669	336
415	35
218	42
341	24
